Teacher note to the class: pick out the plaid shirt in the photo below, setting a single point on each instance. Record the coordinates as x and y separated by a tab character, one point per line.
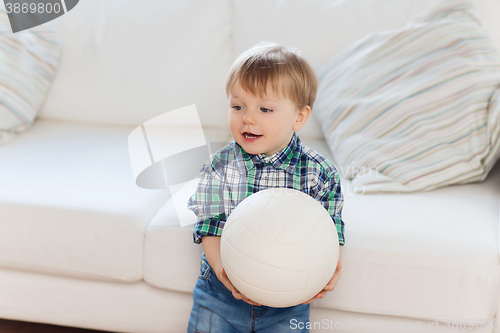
233	174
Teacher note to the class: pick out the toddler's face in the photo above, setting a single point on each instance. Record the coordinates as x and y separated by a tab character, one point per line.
263	125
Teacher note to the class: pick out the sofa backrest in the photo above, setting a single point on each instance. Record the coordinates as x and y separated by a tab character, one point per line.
125	62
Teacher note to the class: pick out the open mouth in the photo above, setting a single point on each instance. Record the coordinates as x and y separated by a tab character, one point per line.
249	135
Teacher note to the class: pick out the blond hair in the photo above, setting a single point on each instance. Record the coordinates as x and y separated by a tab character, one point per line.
284	69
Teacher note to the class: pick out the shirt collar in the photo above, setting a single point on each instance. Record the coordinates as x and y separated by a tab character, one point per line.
285	159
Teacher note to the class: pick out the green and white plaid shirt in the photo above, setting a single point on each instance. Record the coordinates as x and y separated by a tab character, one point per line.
233	174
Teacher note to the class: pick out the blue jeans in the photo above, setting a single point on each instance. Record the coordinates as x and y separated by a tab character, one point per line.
215	310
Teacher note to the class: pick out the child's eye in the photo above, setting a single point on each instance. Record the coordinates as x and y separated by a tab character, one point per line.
265	110
237	107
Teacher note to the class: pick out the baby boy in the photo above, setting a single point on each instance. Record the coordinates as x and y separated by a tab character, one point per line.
271	91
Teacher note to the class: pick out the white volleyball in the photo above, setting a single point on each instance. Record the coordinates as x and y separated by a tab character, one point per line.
279	247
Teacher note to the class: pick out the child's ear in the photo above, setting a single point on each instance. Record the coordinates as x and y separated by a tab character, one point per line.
302	117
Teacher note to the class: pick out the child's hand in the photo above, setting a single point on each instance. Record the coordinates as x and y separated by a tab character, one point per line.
331	284
225	280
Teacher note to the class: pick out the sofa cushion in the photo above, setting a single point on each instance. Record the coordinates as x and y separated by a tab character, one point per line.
321	28
421	255
425	254
171	258
410	109
69	204
125	62
28	62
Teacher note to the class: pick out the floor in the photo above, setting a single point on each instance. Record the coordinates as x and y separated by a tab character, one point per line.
12	326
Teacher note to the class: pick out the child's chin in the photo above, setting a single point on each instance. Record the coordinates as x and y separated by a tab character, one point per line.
253	151
250	150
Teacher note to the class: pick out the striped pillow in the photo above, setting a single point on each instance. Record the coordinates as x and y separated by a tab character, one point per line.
416	108
28	62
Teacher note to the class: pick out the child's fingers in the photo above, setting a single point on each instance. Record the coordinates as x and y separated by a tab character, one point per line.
339	266
236	294
243	297
225	279
335	278
251	302
321	294
333	282
310	301
239	296
223	273
330	286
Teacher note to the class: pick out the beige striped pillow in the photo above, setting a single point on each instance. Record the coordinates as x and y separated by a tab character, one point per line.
415	108
28	61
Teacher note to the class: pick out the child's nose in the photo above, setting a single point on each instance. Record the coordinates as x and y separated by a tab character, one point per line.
248	118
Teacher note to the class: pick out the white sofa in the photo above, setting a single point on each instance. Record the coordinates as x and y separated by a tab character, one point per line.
82	245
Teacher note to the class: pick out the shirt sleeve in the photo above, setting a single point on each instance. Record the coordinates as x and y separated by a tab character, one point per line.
208	204
331	197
